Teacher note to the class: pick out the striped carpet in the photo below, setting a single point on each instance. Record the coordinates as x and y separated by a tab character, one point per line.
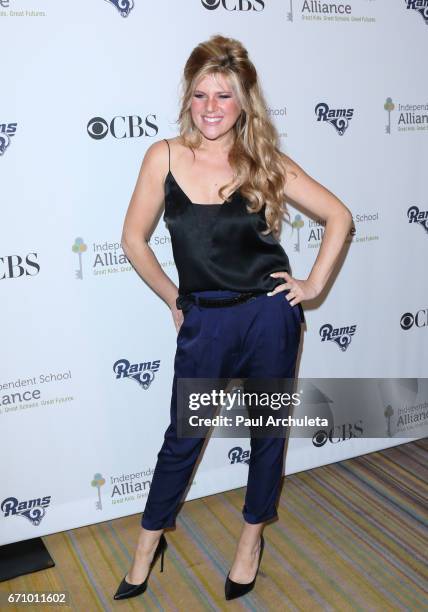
351	536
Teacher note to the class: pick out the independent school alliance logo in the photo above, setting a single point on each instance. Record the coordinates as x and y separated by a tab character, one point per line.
123	6
405	406
108	258
421	6
420	217
7	131
407	419
342	336
126	487
316	10
409	118
143	373
97	482
32	509
238	455
337	117
308	233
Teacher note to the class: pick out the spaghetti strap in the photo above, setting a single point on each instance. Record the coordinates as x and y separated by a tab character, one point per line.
169	155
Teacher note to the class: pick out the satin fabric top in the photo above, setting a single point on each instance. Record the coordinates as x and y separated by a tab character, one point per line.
230	254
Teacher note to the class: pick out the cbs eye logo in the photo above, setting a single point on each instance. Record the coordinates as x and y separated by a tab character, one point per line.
131	126
320	438
407	320
97	128
210	4
237	5
419	319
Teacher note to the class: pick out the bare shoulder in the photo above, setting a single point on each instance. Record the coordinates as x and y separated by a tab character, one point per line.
178	149
156	157
177	142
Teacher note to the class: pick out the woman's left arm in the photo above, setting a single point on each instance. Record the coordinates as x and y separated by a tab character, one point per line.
318	200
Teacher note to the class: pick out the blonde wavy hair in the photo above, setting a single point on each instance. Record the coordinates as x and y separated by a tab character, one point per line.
255	158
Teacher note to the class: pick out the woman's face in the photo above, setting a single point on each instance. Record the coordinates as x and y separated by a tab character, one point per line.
214	108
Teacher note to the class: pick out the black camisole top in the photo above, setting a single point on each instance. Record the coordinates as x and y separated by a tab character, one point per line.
220	246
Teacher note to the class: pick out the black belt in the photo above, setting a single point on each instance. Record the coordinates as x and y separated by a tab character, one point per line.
186	300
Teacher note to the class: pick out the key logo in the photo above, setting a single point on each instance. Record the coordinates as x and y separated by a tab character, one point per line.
388	413
79	247
97	482
297	225
389	107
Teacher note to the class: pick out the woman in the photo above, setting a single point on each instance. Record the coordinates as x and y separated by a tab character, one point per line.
223	183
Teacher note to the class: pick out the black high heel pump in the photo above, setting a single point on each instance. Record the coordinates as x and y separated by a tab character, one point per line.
236	589
127	590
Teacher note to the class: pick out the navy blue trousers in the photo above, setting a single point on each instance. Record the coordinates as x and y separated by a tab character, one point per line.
259	339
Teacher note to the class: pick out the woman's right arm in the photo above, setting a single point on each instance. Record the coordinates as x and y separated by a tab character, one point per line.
141	218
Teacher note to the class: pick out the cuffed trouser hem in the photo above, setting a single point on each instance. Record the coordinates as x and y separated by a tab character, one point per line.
155	525
255	520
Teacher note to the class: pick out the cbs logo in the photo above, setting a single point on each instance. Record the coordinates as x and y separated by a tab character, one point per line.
234	5
420	319
339	433
15	266
131	126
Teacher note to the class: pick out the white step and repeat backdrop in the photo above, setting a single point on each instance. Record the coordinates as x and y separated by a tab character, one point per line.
87	87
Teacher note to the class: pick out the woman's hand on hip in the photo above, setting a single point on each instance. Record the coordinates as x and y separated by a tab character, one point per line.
177	316
298	290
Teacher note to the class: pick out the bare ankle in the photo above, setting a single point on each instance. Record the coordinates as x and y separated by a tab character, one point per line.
148	540
250	540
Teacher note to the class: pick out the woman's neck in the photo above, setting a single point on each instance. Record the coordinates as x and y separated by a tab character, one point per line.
218	147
